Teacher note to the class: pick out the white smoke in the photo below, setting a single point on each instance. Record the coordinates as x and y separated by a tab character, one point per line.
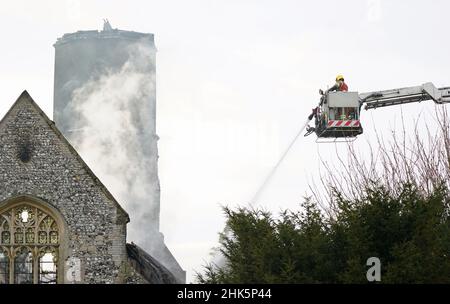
112	110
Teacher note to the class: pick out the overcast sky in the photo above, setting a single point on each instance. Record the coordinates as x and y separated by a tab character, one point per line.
235	82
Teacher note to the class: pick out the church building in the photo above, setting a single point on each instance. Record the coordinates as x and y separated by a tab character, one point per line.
58	222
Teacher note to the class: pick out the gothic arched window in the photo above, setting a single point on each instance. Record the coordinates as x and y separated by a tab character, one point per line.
29	244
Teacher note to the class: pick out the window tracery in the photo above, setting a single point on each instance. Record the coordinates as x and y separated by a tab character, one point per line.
29	244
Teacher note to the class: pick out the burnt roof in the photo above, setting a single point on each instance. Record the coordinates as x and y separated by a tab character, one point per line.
147	266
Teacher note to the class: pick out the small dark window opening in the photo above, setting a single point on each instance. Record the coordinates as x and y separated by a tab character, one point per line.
25	152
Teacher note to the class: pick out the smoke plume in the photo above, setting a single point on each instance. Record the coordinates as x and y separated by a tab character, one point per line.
115	135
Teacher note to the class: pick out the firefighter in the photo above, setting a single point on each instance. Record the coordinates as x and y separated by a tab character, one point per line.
340	85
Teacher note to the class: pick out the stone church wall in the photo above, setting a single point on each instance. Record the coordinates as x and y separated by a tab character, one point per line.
36	162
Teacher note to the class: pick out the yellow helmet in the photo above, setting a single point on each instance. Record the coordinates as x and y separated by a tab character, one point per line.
339	77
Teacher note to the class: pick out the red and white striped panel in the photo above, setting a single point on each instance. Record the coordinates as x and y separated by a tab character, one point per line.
343	123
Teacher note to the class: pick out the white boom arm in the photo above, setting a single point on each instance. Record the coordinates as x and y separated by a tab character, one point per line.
393	97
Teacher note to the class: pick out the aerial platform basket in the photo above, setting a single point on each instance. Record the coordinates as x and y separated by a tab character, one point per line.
338	116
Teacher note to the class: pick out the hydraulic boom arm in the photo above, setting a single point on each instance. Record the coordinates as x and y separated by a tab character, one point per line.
386	98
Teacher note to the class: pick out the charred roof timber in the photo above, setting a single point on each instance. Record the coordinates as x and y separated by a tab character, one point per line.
106	25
